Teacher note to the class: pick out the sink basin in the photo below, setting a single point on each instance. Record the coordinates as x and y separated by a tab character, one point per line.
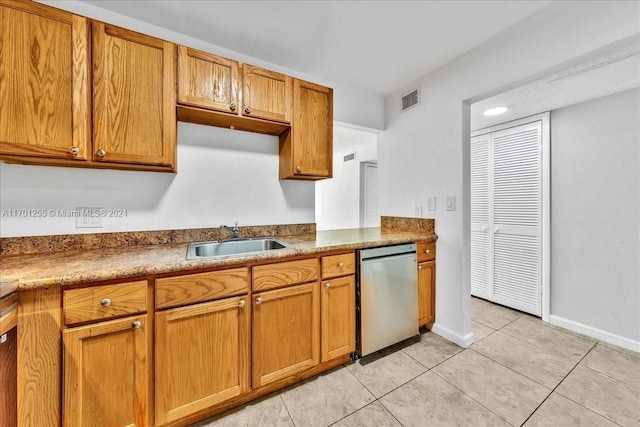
199	250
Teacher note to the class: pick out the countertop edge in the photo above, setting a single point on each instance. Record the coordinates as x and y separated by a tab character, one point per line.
185	266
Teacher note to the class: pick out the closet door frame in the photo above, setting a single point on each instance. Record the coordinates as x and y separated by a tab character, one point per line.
545	225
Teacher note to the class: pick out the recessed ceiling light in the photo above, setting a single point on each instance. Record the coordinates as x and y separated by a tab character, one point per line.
495	111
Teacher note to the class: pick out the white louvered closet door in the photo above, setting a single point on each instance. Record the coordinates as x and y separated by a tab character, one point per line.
506	254
480	226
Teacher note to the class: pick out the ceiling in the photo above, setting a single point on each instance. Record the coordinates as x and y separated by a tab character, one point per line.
605	71
375	46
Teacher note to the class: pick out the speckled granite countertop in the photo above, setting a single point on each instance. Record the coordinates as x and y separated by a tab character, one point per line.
81	266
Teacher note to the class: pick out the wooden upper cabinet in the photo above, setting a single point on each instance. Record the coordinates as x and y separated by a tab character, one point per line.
306	151
134	98
44	82
207	81
266	94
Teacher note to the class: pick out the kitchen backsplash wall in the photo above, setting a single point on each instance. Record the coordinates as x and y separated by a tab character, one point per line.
223	176
68	242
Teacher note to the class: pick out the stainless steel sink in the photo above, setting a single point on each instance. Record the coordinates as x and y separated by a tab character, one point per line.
199	250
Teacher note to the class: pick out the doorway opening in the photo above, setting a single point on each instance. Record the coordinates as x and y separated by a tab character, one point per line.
340	201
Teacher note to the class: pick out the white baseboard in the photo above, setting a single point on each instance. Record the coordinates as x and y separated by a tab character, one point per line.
595	333
463	341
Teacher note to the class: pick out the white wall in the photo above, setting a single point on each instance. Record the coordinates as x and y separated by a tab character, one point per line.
425	151
223	176
595	215
338	199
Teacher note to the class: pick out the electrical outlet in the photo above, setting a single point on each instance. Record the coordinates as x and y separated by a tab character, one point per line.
89	218
418	211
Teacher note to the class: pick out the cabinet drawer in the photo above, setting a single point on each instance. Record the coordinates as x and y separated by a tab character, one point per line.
274	276
426	251
104	302
338	265
193	288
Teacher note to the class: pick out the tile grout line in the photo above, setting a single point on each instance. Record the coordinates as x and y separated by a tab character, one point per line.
607	375
287	409
556	387
470	397
542	348
520	373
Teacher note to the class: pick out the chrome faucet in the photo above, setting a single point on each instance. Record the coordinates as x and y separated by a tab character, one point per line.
235	231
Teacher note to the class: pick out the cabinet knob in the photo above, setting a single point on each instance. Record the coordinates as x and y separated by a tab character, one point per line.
341	265
419	267
74	151
298	168
258	300
427	251
136	324
247	109
106	302
241	303
101	152
233	106
327	285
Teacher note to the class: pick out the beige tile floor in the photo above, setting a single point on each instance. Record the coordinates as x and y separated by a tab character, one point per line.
519	372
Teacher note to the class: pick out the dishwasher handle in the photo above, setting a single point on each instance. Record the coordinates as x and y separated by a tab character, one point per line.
386	251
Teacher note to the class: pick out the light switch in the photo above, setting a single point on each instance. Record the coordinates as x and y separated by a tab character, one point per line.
418	211
432	203
450	203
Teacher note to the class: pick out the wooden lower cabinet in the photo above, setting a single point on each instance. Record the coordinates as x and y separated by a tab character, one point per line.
106	374
426	292
338	317
286	338
201	356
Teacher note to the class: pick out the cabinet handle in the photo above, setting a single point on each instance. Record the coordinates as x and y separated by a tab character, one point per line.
233	106
136	324
101	152
341	265
327	285
298	168
74	151
258	300
247	109
241	303
106	302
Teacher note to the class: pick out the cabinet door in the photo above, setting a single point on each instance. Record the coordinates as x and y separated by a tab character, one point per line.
202	356
44	82
106	374
306	152
338	317
266	94
207	81
427	292
286	332
134	98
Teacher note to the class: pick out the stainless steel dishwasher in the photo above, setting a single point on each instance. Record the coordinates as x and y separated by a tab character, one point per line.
387	296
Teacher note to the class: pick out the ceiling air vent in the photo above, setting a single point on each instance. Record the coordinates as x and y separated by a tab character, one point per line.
349	157
410	100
